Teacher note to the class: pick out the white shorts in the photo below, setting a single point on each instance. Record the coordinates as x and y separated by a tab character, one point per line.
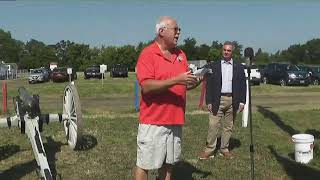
158	145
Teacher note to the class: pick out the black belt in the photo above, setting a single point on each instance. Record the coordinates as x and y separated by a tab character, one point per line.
226	94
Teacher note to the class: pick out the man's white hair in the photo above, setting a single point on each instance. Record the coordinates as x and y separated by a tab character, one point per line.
161	23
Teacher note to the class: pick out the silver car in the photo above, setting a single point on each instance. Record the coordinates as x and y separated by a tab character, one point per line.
38	75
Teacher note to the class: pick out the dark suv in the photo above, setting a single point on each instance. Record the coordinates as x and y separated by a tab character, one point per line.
92	72
285	74
119	70
314	72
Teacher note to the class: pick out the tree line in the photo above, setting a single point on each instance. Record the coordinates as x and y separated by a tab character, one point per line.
34	53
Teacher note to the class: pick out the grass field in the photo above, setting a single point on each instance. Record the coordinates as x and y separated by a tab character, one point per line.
111	128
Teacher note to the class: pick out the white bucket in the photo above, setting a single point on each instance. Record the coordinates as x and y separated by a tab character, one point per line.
303	147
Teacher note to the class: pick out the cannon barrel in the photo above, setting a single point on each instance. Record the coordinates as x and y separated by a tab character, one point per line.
26	98
30	103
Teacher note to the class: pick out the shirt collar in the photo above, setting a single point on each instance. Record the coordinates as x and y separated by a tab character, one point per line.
227	62
156	48
176	53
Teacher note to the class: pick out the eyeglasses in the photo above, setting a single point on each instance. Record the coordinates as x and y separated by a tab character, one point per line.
176	29
228	50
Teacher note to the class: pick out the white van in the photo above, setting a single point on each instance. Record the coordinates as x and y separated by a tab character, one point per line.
255	76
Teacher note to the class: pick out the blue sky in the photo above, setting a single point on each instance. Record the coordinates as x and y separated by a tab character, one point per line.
271	25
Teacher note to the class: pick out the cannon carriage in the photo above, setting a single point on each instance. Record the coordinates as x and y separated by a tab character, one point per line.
30	120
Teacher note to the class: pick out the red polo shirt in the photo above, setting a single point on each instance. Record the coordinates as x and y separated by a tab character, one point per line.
168	107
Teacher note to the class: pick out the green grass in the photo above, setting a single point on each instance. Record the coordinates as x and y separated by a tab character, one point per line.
111	128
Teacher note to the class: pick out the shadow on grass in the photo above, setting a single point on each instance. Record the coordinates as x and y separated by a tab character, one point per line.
18	171
287	128
87	142
233	143
295	170
8	150
314	132
52	147
277	120
184	170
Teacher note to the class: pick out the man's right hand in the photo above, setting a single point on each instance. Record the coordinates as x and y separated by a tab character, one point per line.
209	107
186	78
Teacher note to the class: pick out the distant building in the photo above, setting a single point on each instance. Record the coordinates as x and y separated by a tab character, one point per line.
3	71
53	65
8	70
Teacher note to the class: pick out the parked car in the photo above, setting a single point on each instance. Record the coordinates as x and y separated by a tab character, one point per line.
261	68
49	71
313	72
38	75
92	72
285	74
60	74
255	77
119	70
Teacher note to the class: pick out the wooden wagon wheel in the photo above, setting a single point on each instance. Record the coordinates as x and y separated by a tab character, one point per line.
72	115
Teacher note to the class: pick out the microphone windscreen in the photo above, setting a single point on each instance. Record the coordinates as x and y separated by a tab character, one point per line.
248	52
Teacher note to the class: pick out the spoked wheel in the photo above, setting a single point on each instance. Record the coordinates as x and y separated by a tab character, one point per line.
72	115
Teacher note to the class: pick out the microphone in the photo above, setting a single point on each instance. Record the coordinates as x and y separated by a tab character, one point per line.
248	54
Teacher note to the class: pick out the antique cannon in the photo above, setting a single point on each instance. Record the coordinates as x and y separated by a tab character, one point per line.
30	121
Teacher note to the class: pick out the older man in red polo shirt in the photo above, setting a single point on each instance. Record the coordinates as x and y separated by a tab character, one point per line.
162	72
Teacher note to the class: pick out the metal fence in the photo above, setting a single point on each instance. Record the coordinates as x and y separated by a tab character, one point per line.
22	73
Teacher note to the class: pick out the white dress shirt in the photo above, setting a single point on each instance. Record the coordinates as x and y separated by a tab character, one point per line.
227	73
